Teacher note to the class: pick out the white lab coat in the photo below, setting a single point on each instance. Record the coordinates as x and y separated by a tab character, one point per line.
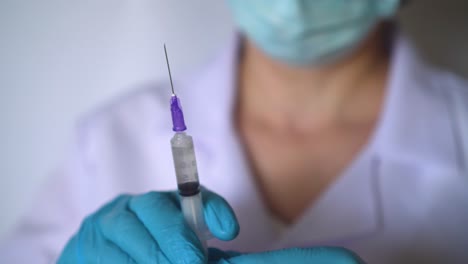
404	199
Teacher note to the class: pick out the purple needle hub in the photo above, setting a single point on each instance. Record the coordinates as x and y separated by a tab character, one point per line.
178	122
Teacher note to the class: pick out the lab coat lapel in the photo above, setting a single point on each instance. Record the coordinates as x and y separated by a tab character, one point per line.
422	177
411	141
417	124
348	210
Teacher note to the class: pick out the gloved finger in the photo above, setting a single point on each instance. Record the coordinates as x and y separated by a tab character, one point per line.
121	227
89	246
110	253
219	216
160	214
321	255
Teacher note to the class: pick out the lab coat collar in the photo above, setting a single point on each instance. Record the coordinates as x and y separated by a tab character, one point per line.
414	125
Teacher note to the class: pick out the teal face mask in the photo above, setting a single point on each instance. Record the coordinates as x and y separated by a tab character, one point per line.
308	32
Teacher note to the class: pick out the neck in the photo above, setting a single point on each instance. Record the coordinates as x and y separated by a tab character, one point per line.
280	96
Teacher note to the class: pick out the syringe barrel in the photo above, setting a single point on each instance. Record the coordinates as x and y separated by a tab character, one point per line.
185	164
188	184
192	209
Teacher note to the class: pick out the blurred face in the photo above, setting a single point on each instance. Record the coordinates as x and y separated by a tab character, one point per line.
309	32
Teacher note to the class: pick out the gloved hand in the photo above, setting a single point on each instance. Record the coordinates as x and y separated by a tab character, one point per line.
148	228
318	255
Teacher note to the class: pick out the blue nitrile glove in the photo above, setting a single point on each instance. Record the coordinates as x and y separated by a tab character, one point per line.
148	228
318	255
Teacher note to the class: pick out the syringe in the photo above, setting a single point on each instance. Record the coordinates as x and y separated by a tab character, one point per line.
186	170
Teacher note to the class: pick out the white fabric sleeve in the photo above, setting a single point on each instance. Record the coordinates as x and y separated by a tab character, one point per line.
56	213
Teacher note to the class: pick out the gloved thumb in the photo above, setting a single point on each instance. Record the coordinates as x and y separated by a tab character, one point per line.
219	216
